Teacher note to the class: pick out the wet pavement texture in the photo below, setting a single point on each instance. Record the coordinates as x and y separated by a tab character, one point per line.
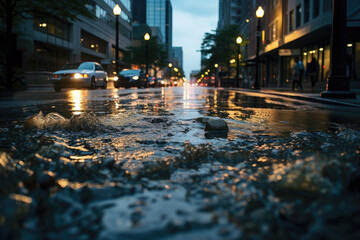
138	164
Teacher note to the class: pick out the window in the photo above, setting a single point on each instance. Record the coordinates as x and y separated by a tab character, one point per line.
327	5
92	42
306	11
98	67
291	21
298	16
273	3
273	31
52	26
316	8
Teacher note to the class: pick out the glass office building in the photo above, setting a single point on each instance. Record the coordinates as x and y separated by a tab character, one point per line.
159	14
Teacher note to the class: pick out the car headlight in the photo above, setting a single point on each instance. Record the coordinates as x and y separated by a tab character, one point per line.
135	77
116	78
78	75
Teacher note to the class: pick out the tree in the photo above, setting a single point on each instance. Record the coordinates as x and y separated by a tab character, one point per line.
12	12
157	58
219	47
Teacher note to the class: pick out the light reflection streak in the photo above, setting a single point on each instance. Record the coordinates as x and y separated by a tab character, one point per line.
75	99
21	198
186	98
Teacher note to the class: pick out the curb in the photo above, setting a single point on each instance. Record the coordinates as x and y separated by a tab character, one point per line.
313	99
302	97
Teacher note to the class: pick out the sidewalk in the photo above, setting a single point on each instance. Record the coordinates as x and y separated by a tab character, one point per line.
314	96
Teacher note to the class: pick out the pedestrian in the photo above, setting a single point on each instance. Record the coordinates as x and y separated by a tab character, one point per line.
298	72
312	71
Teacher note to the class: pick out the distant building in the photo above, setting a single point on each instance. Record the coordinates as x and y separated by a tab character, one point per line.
178	56
139	11
159	14
45	43
232	12
193	75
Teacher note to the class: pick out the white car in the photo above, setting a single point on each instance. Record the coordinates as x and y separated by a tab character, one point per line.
80	75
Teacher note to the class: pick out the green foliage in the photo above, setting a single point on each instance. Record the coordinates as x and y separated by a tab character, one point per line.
157	55
219	47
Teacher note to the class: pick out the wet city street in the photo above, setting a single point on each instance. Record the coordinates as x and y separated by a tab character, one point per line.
143	164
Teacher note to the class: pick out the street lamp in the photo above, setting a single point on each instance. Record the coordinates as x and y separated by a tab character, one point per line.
238	41
338	83
147	38
170	66
259	14
117	12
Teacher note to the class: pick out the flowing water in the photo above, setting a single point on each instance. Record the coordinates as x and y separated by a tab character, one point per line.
126	164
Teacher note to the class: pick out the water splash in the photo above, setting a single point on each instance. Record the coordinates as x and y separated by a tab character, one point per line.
83	122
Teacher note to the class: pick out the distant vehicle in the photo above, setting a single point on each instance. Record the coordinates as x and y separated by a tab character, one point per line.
79	75
164	82
150	82
131	78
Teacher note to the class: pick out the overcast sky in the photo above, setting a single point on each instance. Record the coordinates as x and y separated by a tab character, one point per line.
191	20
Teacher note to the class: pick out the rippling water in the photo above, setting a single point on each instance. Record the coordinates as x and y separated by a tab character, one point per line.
141	167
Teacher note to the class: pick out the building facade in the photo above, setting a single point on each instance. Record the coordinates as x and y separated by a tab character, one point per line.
139	11
232	12
178	56
47	43
300	28
159	14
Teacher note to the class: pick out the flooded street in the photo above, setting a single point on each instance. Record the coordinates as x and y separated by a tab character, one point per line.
138	164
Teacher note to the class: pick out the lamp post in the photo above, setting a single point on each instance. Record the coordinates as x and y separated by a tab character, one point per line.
147	38
338	83
117	12
216	73
238	41
170	66
259	14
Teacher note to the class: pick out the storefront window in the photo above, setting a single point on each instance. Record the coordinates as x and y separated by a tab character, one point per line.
357	61
326	65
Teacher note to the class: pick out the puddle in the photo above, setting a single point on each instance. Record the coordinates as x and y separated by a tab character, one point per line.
147	170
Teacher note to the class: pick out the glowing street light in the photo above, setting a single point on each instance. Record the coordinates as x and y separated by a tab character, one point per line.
260	12
147	36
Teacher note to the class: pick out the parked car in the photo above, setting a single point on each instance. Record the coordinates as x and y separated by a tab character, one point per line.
131	78
80	75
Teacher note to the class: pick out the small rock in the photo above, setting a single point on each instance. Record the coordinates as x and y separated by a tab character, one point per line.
46	179
108	163
216	125
354	183
159	120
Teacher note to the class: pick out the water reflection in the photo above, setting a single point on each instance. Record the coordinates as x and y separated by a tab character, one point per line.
75	99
